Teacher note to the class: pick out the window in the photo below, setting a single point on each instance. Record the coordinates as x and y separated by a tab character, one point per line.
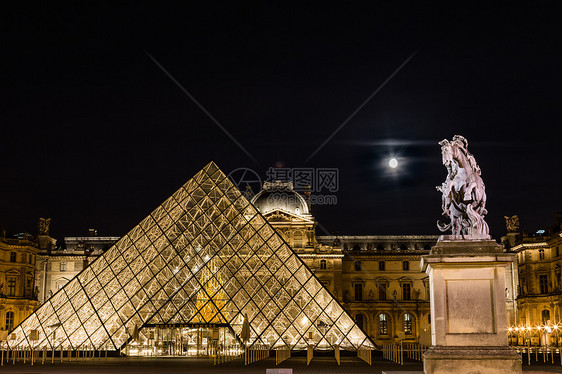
381	265
359	320
24	257
543	283
11	286
298	239
12	256
407	324
382	291
406	287
406	265
322	264
557	251
383	324
357	265
358	291
545	316
541	254
63	266
9	321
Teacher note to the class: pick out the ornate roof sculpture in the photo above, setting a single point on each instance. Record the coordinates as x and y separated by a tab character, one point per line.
206	255
464	195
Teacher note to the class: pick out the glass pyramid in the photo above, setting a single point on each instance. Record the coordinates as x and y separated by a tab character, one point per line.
205	256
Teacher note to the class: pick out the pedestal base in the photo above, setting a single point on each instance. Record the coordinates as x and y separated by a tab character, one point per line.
471	360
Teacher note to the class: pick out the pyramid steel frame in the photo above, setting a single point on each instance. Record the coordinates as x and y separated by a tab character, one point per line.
204	256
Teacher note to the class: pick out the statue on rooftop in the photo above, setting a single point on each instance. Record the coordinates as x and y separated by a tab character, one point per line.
43	226
464	195
512	223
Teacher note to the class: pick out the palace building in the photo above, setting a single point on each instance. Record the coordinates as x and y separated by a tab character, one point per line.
539	285
58	265
18	296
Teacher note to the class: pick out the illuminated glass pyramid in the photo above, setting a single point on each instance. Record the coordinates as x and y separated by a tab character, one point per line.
207	256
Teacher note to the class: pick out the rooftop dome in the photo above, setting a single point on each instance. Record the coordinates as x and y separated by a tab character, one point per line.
280	196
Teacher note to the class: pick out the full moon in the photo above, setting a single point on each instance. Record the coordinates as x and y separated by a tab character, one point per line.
393	163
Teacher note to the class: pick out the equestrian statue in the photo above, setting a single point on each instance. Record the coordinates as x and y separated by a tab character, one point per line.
464	195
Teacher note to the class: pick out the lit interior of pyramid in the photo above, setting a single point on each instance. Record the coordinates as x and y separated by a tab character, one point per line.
205	256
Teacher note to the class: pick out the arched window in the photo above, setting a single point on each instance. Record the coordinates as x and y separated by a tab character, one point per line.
323	264
545	316
383	324
408	318
9	321
359	320
297	239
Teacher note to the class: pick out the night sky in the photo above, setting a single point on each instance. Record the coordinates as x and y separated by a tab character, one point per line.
95	134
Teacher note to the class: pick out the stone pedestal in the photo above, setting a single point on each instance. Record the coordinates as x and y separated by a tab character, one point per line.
468	308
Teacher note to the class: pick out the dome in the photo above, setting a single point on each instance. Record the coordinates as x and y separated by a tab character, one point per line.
280	196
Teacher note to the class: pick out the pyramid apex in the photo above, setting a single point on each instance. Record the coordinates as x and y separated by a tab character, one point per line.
211	168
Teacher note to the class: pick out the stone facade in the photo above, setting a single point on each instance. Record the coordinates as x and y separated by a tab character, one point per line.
55	267
539	286
382	287
18	296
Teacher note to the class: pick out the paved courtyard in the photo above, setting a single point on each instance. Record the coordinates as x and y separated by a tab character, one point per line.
323	364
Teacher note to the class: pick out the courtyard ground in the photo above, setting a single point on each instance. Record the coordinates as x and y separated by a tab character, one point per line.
322	364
